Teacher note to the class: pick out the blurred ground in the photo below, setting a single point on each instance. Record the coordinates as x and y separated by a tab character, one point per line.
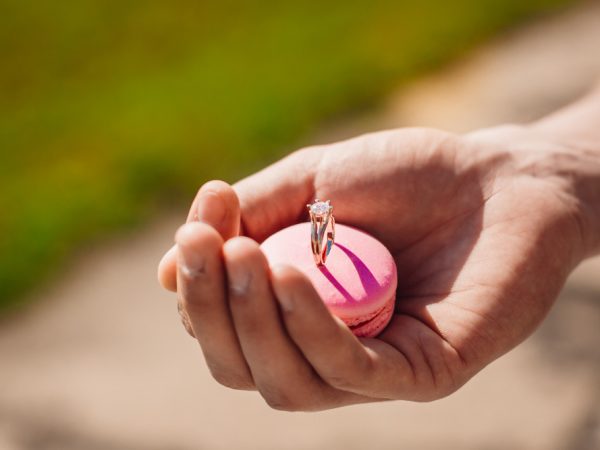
102	362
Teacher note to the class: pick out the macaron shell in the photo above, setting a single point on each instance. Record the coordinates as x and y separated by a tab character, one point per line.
358	282
375	325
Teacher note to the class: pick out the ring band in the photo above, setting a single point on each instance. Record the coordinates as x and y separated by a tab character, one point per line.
322	230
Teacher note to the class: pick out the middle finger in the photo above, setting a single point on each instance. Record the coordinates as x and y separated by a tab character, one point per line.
282	375
201	285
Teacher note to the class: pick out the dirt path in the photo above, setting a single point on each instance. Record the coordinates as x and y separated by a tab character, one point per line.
102	362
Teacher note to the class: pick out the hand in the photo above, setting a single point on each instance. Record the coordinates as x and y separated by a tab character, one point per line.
483	229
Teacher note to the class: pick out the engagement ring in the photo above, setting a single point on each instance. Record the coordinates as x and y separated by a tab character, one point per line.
322	230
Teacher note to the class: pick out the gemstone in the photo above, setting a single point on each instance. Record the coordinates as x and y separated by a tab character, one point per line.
319	208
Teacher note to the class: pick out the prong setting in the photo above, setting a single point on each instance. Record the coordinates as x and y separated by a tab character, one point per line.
319	208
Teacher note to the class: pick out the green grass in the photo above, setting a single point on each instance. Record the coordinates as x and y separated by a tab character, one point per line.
111	110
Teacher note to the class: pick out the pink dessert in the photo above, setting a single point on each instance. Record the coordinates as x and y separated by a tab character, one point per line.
358	283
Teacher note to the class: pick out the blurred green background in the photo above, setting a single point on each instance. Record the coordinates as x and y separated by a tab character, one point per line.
112	111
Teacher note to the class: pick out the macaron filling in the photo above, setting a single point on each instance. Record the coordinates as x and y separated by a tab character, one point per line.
373	324
360	320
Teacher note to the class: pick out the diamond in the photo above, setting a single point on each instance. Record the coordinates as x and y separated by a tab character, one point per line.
319	209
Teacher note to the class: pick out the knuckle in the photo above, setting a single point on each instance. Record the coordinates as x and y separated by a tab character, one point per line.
188	327
427	397
433	395
442	386
196	302
450	375
281	400
450	384
232	380
340	381
307	158
185	320
191	275
351	377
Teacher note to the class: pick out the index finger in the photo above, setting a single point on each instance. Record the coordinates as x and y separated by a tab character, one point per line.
217	205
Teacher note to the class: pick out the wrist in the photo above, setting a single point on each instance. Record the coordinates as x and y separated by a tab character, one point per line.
575	132
573	172
585	186
580	175
570	171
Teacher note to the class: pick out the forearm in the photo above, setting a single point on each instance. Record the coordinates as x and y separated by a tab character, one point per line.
577	127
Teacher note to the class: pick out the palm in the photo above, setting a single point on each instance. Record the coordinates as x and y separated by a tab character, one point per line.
482	239
455	225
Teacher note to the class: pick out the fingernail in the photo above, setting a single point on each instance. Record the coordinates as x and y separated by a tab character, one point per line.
191	264
239	280
210	209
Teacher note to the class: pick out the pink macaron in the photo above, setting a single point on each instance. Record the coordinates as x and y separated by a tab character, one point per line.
358	283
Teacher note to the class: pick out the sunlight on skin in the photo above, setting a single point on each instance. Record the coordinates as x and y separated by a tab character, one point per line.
484	229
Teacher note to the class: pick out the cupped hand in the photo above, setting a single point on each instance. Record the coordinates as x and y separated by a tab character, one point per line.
483	229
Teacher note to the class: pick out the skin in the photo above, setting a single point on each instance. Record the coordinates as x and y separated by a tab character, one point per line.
484	229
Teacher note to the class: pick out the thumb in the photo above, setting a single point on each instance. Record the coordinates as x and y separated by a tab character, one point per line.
256	206
276	196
